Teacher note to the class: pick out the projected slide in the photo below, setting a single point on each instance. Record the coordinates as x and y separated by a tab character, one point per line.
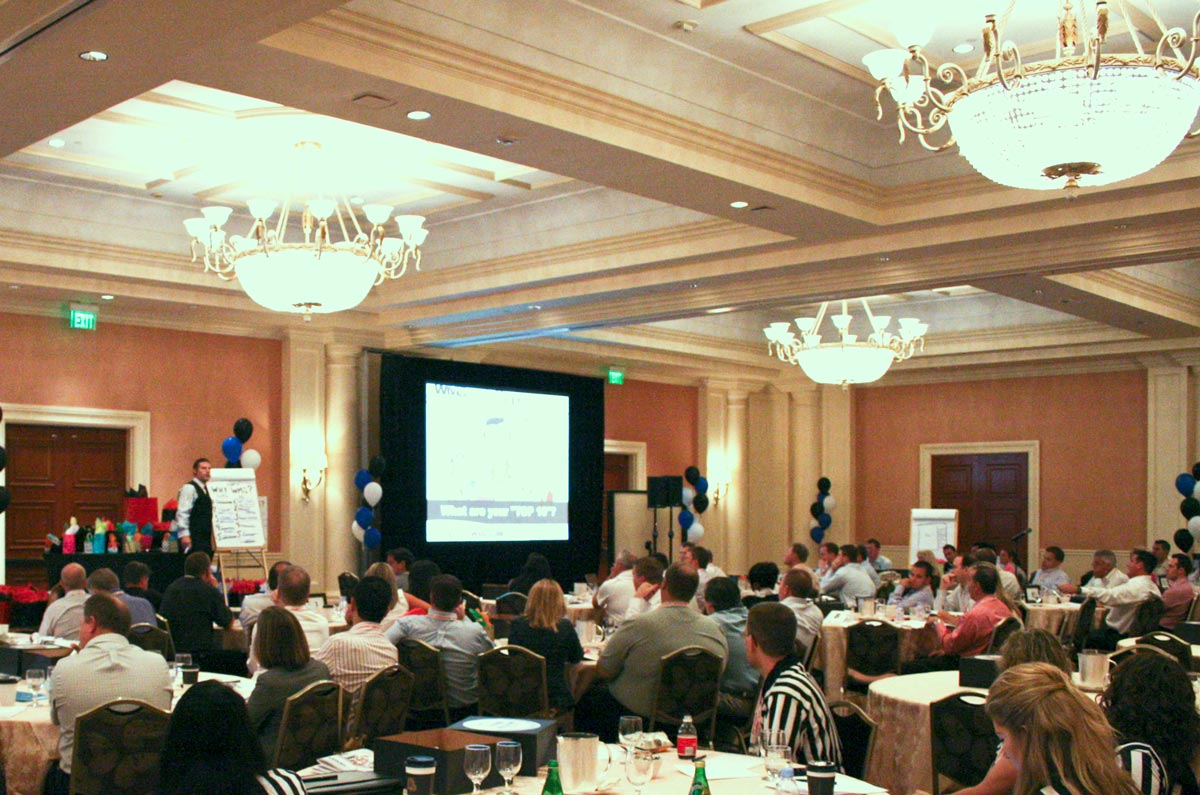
496	464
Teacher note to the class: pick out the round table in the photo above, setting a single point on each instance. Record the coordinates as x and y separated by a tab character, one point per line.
1059	619
917	639
903	757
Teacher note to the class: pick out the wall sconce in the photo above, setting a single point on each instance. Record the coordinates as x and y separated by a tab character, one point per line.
718	490
307	483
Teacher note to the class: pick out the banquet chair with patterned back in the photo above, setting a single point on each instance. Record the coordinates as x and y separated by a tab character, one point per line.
117	748
1083	625
1193	612
1171	644
688	683
429	707
511	604
872	651
963	740
1121	655
311	726
151	638
1146	619
512	683
856	735
1002	632
383	706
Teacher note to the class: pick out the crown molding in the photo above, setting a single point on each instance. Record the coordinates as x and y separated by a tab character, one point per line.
1135	292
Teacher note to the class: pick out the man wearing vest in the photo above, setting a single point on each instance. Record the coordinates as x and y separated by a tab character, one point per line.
193	519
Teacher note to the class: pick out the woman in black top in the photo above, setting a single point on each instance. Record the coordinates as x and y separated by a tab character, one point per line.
536	568
545	630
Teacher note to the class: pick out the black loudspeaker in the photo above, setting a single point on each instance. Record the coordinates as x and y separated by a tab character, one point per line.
664	492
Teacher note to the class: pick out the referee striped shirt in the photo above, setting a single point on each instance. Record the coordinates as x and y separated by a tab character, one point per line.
1143	763
792	703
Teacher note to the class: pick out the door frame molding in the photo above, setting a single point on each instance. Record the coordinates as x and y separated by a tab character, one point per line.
637	453
1033	451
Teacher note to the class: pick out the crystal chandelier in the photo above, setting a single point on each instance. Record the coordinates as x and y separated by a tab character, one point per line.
1082	118
314	274
848	360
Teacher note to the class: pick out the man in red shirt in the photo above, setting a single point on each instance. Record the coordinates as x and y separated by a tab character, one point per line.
1178	597
973	633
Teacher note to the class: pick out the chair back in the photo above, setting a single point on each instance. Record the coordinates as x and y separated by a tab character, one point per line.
491	590
856	734
1121	655
471	601
512	683
872	649
511	604
1002	632
963	739
1193	610
1171	644
311	726
688	683
429	688
1148	614
1083	624
117	748
162	622
151	638
828	604
383	705
811	653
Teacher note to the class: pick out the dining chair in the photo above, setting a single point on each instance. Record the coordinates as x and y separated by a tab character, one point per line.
1171	644
963	740
382	707
151	638
872	651
856	735
117	748
512	683
688	684
311	726
429	708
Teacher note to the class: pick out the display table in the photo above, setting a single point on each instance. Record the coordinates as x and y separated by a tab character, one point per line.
165	567
917	639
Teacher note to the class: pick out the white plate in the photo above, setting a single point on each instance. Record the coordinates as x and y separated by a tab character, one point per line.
500	725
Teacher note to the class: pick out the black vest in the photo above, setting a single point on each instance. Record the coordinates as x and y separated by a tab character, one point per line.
200	520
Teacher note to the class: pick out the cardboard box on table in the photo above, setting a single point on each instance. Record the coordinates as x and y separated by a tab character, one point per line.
978	671
445	746
536	736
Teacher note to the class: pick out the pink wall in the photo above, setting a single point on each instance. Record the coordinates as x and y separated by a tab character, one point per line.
662	416
1092	430
194	385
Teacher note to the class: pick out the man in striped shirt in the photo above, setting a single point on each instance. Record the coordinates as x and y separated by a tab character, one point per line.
357	654
790	701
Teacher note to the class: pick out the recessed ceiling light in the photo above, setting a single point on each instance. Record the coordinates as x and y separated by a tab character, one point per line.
94	56
418	115
964	48
107	297
739	205
720	310
505	141
14	287
535	307
57	143
883	258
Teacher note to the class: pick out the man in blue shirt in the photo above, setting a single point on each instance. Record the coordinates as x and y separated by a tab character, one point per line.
739	682
848	580
914	589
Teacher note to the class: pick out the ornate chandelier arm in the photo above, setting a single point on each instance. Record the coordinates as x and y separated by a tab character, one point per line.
1174	38
1010	79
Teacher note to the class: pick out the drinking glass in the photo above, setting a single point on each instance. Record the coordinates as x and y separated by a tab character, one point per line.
777	758
477	763
181	661
766	740
629	732
508	762
36	677
639	766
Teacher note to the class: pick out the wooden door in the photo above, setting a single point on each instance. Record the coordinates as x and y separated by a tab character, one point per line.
991	493
617	469
55	473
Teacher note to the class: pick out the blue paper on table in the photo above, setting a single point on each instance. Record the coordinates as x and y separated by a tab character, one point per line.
24	695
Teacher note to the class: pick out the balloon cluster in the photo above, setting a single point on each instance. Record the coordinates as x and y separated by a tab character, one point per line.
1189	486
5	497
695	502
821	509
367	481
232	447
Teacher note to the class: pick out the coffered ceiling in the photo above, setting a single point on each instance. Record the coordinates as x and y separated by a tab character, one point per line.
577	174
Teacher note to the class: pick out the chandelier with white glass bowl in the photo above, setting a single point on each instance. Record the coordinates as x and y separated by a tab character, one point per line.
1083	118
847	359
319	272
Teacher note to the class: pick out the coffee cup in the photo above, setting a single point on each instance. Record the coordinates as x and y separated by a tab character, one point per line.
191	674
418	774
821	776
8	690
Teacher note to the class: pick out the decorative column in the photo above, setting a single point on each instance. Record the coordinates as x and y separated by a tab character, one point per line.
342	363
735	506
837	458
804	445
303	523
768	475
1167	437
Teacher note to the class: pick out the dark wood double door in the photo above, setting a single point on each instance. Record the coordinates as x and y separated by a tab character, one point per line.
991	493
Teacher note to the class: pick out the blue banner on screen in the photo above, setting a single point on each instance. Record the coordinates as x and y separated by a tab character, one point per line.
496	465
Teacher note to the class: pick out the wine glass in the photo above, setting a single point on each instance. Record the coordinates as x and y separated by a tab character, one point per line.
777	758
508	762
639	766
36	677
629	732
477	763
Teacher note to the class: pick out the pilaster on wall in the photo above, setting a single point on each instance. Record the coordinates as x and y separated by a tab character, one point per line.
805	451
768	514
837	459
1167	454
303	523
343	365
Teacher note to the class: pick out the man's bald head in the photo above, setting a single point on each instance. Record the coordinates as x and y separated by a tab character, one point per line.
74	578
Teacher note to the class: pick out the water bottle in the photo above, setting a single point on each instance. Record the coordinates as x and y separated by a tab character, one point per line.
686	740
786	784
553	785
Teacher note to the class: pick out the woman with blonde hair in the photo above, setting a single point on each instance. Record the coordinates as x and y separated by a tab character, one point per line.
546	630
1056	736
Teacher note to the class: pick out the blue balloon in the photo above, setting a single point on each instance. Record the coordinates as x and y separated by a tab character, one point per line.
372	538
361	478
686	518
1185	484
817	534
364	517
824	520
702	485
232	448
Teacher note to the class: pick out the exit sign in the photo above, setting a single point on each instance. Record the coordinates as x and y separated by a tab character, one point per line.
82	316
616	375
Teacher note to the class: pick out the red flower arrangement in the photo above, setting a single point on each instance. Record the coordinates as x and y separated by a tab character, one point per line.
245	587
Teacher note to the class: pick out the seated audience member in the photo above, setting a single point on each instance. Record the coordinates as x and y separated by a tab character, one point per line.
1034	645
420	575
1051	575
460	641
791	701
630	663
546	630
878	562
827	554
287	668
210	749
914	589
849	580
936	567
701	559
193	604
949	553
400	560
292	595
255	603
398	606
973	633
739	681
611	600
1122	600
1105	573
647	580
536	567
796	557
866	566
954	596
136	577
1162	552
1150	702
1007	559
762	577
105	581
362	651
1055	735
797	592
1178	597
107	666
1009	583
64	615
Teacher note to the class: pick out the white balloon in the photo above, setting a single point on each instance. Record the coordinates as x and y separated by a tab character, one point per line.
372	493
813	524
1194	525
689	494
695	532
251	459
829	504
1196	491
357	532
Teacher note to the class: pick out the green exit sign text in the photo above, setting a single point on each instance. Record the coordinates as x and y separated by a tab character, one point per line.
82	316
616	375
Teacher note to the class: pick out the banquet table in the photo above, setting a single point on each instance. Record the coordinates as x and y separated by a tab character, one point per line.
902	761
917	639
1059	618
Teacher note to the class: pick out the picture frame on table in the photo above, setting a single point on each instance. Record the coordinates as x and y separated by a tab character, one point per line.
1033	594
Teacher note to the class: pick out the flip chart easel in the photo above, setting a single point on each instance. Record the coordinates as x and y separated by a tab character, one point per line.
932	528
237	523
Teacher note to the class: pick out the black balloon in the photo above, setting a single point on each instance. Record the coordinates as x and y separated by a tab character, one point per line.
1190	507
1184	540
377	467
1196	470
232	464
243	429
3	459
5	499
691	475
700	503
823	486
816	509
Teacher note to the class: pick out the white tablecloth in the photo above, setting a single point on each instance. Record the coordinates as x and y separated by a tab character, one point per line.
916	639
